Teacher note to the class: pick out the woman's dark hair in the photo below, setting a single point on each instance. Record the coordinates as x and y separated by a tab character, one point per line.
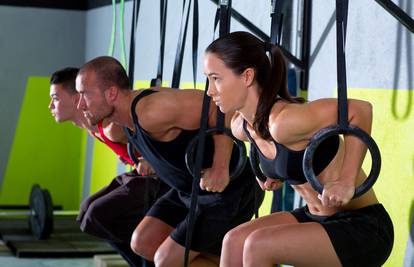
242	50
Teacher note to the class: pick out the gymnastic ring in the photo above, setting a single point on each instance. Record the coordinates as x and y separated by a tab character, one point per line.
191	148
255	164
323	134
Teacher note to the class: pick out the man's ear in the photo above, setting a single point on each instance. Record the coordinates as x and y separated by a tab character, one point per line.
248	76
111	94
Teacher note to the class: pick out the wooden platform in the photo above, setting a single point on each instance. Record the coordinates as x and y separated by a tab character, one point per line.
109	260
66	240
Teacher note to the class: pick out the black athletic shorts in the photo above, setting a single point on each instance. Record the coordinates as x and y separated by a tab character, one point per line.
113	212
216	213
362	237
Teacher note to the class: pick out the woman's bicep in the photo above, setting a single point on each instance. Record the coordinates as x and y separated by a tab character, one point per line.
300	122
360	114
324	112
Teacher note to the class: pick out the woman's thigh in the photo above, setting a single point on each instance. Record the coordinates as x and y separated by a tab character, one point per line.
274	219
298	244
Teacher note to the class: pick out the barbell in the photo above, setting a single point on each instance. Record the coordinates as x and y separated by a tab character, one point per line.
40	213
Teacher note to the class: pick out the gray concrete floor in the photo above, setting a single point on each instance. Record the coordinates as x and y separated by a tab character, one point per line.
11	261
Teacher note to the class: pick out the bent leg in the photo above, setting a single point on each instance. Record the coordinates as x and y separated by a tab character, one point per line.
233	243
114	216
105	212
87	202
300	244
160	221
114	212
148	236
171	254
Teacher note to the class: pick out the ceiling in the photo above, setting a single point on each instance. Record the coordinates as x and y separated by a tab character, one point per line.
59	4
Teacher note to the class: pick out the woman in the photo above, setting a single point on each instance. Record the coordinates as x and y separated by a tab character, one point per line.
333	229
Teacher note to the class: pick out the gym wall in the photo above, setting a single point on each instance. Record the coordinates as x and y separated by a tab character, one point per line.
379	55
37	41
34	42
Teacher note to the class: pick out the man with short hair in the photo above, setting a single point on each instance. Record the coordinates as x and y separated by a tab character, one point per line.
111	213
162	122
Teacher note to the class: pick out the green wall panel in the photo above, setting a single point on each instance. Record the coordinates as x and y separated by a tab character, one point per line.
43	152
104	165
395	186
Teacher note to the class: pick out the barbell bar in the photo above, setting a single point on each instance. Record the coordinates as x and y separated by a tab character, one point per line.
40	213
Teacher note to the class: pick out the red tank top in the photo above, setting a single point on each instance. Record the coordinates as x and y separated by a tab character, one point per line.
118	148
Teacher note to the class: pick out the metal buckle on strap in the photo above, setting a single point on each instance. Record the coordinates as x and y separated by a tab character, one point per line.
224	2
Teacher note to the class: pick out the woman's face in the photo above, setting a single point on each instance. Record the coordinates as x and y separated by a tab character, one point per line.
225	87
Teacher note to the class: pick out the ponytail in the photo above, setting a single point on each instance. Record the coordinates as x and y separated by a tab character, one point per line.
274	87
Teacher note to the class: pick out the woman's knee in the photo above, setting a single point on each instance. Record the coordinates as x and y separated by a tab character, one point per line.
255	249
234	237
250	245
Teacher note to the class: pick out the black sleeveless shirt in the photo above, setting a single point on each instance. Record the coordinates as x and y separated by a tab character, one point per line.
287	165
167	158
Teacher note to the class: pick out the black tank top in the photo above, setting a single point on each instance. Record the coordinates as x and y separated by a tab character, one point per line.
287	165
167	158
